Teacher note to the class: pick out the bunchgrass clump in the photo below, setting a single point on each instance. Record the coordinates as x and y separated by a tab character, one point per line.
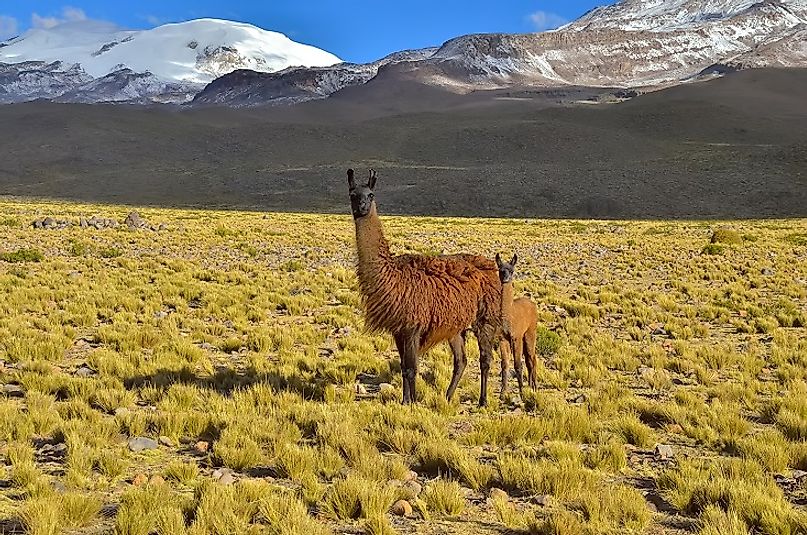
444	498
22	255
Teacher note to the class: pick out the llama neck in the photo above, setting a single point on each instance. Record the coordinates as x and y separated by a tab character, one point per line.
507	305
372	246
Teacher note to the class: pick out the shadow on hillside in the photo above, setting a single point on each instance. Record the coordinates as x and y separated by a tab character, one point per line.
726	149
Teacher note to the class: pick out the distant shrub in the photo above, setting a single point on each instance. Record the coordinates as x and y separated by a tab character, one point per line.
796	239
225	232
249	250
109	252
22	255
77	247
727	236
293	265
547	342
713	249
9	222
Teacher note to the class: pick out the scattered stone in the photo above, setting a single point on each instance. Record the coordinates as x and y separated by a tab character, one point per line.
401	508
218	472
101	222
386	387
13	391
134	221
82	222
360	389
161	314
201	446
413	487
544	500
122	411
139	480
798	474
156	480
142	443
645	371
50	223
498	494
411	476
664	451
85	371
165	441
59	487
224	476
768	272
658	329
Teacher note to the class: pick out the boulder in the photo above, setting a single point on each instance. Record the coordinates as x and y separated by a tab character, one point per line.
142	443
663	451
401	508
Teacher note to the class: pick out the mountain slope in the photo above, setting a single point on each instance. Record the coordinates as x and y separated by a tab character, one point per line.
633	43
290	86
187	55
729	147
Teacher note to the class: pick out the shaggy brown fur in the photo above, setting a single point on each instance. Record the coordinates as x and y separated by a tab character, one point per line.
519	324
423	300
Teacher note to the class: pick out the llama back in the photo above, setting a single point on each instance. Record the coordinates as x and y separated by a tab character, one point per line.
438	296
491	303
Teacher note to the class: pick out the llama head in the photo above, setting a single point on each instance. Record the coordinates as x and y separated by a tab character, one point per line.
506	269
362	198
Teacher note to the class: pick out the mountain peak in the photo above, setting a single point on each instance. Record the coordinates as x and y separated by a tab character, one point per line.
672	15
195	51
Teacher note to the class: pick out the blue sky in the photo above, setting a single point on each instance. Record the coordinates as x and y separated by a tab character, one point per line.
355	30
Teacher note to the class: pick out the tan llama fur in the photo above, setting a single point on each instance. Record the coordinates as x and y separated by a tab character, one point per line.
519	329
423	300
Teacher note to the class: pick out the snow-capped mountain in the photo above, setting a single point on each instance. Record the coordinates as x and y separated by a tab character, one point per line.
672	15
178	58
630	44
633	43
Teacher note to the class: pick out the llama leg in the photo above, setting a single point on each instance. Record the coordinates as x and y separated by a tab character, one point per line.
457	344
400	342
411	356
486	337
504	350
517	346
530	358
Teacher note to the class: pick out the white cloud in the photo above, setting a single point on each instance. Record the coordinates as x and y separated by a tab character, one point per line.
43	22
8	27
73	14
544	20
69	14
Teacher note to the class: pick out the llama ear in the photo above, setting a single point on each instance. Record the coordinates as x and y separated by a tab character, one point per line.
373	179
514	260
498	260
351	181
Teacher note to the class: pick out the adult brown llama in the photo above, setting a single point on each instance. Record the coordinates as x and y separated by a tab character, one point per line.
519	324
423	300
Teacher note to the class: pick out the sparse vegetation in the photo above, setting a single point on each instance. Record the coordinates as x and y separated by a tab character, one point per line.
727	236
236	344
22	255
